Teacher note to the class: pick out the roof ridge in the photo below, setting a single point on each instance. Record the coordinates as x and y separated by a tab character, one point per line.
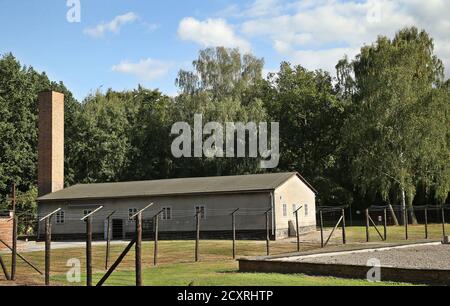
186	178
178	186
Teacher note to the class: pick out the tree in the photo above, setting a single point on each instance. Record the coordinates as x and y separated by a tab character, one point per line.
223	88
149	155
19	87
101	137
222	72
310	113
390	135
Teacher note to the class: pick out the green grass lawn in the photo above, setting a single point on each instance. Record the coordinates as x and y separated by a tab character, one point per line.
224	273
216	266
395	233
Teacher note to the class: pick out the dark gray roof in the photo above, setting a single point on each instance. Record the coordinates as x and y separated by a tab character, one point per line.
183	186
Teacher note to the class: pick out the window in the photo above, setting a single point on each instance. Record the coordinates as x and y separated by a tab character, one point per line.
306	210
284	210
132	212
200	209
294	208
60	217
166	213
86	212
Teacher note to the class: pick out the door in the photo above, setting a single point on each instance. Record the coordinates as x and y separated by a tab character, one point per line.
117	229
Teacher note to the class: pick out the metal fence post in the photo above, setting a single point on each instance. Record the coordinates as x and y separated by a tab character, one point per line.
426	222
443	222
385	223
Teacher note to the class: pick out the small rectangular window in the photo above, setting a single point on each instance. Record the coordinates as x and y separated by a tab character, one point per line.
60	217
132	212
200	209
306	210
86	212
294	208
166	213
284	210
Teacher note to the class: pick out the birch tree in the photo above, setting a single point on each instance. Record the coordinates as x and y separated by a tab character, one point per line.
397	133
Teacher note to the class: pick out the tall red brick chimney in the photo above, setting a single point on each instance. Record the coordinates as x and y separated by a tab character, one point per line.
51	142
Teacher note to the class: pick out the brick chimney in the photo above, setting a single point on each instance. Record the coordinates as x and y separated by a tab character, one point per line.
51	142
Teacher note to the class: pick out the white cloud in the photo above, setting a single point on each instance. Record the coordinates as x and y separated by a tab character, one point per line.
211	33
150	27
316	34
145	70
322	59
112	26
261	8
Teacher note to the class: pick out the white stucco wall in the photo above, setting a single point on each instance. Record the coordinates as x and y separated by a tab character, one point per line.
218	210
295	192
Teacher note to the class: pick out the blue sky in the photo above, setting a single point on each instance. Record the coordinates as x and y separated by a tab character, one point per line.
121	43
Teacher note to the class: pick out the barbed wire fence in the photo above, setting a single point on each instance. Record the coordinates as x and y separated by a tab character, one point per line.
383	224
104	257
43	227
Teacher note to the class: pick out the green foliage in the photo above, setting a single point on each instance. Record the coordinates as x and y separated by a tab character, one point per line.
398	127
26	208
150	156
223	87
310	114
100	137
382	125
19	87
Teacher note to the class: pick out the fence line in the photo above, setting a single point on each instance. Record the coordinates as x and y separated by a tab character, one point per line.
91	218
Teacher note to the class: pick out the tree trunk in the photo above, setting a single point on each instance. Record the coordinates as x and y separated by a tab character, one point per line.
393	215
403	207
412	214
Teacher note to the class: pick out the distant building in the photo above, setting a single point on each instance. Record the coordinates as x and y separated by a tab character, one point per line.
178	200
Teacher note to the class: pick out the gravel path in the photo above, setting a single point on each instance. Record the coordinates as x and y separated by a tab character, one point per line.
417	257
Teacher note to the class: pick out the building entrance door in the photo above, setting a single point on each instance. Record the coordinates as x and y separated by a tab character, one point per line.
117	229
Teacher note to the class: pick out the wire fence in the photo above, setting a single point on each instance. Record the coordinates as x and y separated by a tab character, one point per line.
134	226
98	254
384	223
